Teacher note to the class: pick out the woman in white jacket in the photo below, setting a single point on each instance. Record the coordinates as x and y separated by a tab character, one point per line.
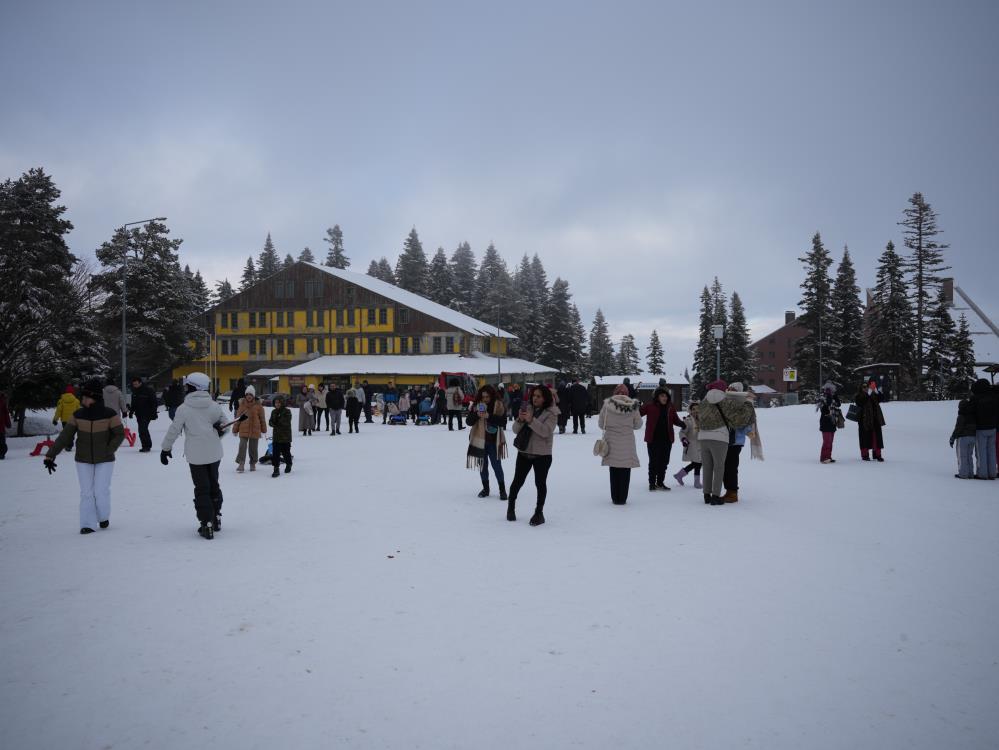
201	420
619	417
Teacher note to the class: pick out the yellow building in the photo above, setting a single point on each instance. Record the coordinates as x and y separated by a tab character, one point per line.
308	311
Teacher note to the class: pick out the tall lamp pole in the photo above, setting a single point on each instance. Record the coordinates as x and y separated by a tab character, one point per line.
719	334
124	298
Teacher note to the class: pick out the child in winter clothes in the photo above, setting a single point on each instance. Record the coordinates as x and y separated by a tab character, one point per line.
964	434
201	419
250	429
828	408
65	408
98	432
691	447
281	448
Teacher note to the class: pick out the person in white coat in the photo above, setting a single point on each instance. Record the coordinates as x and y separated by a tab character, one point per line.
619	417
201	420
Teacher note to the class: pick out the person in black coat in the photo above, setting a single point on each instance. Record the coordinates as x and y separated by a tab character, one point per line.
143	407
579	399
985	400
870	422
174	397
237	395
564	405
828	407
335	402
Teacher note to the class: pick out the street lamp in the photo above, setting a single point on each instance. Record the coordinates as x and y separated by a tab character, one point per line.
124	298
719	334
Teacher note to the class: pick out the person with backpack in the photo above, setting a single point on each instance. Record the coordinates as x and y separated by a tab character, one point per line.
717	415
280	422
202	421
737	441
535	428
487	438
98	431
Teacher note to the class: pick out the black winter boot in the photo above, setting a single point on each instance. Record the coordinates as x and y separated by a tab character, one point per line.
510	506
484	492
502	486
707	498
206	531
217	523
538	518
105	524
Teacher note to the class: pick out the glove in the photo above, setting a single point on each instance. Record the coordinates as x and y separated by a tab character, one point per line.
219	429
952	442
50	464
165	457
684	442
54	421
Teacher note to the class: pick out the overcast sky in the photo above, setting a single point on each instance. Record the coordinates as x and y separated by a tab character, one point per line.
640	148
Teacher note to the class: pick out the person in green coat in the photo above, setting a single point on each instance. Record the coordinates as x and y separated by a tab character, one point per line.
280	423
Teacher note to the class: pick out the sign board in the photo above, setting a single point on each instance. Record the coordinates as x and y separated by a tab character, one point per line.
790	375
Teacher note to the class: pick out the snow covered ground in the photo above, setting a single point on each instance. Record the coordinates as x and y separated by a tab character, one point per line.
370	600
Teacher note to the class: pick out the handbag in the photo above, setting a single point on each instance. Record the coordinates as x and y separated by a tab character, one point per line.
853	413
840	421
523	438
600	447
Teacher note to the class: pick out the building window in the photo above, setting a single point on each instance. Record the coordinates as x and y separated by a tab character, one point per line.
290	346
308	345
383	316
403	315
416	344
351	348
386	346
772	354
339	318
289	289
313	288
321	346
278	317
404	345
279	289
280	346
350	316
350	293
262	346
449	344
253	345
371	316
437	345
234	321
253	320
486	344
225	346
372	346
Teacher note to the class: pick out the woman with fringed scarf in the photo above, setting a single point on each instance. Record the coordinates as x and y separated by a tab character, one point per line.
487	440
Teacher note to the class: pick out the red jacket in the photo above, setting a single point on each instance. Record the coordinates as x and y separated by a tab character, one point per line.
652	410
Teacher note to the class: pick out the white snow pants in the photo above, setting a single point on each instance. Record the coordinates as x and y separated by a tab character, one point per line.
95	493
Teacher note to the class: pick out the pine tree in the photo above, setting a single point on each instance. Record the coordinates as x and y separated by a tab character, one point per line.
924	266
373	269
162	308
463	272
223	291
705	367
816	318
306	256
654	357
739	365
719	317
494	301
627	356
335	257
940	334
889	327
581	363
385	272
963	372
268	263
847	325
46	329
200	290
249	275
557	349
603	361
411	269
440	286
288	261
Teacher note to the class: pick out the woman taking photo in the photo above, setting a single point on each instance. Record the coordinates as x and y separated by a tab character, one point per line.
535	429
486	440
662	417
620	416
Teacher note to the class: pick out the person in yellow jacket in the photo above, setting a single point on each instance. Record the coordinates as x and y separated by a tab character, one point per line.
65	408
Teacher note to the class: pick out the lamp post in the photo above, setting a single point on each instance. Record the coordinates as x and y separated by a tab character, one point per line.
719	334
124	298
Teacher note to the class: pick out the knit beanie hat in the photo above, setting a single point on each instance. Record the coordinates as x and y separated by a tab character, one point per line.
621	390
250	391
718	385
735	387
93	389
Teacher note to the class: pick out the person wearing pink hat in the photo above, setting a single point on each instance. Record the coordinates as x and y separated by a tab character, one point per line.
718	416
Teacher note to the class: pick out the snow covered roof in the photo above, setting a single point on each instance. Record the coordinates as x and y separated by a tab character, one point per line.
643	382
413	364
416	302
762	390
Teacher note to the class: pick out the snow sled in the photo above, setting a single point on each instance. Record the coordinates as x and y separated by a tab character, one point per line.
396	416
268	454
46	443
130	437
426	412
